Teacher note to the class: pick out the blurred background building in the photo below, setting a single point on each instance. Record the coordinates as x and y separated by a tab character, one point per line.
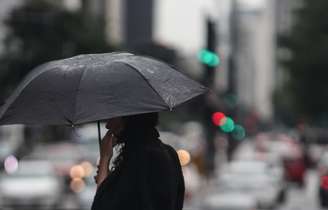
182	28
255	56
5	9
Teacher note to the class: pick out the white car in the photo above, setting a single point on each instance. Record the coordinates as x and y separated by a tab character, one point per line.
11	138
85	197
231	201
253	178
33	184
62	155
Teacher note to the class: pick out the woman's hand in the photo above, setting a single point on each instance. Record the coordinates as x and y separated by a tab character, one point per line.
106	153
106	147
114	126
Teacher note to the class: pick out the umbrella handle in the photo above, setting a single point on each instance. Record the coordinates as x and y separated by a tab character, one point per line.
99	134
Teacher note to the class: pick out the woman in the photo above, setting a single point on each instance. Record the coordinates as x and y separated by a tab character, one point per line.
146	175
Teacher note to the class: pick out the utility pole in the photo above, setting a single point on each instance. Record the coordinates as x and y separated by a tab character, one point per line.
208	109
211	43
233	49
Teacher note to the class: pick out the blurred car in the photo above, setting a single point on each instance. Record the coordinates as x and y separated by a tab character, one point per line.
315	152
293	157
260	167
193	182
295	170
230	201
87	193
86	139
253	178
34	184
11	139
268	158
63	156
294	164
323	177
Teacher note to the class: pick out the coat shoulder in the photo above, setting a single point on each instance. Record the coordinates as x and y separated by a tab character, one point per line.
159	150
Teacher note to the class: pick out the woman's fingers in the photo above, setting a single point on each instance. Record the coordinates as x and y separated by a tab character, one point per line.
109	134
107	145
97	174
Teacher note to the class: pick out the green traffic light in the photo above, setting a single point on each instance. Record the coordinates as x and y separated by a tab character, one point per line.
228	126
239	132
209	58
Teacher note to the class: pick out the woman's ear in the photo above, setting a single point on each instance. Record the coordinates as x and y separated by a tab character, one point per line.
121	127
122	124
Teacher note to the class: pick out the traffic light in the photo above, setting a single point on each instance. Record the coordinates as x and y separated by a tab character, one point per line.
227	125
239	132
218	118
209	58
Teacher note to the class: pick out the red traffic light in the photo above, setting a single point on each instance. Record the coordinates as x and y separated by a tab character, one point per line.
218	118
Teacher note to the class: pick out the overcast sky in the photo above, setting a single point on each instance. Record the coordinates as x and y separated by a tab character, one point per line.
181	24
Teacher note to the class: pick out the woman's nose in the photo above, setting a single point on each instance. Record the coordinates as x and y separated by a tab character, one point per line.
107	125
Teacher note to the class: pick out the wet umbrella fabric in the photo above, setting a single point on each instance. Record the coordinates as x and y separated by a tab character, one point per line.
95	87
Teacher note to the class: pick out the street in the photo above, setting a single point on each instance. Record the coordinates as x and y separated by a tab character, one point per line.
303	199
297	198
255	178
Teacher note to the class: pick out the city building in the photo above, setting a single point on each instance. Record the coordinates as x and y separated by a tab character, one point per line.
5	8
181	25
255	56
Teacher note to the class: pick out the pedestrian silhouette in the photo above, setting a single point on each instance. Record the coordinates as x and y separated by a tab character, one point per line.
146	175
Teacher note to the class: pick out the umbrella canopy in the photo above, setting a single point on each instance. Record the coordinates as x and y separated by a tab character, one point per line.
95	87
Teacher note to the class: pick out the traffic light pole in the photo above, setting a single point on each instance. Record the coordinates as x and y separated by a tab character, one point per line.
208	109
233	49
211	42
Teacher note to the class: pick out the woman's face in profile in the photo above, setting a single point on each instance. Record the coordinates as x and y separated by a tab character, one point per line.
115	125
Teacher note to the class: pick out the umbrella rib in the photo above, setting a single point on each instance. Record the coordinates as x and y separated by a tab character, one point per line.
76	95
144	78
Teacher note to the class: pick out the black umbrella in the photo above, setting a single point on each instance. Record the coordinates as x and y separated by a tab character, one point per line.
93	87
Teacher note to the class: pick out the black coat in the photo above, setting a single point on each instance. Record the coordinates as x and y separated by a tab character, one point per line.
151	179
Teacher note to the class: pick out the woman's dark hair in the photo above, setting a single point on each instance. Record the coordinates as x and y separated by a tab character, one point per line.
138	130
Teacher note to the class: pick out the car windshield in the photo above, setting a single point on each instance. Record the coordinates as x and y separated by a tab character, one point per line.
32	169
324	159
57	153
248	167
237	182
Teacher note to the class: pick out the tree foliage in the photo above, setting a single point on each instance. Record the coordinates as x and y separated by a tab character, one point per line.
40	31
307	65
